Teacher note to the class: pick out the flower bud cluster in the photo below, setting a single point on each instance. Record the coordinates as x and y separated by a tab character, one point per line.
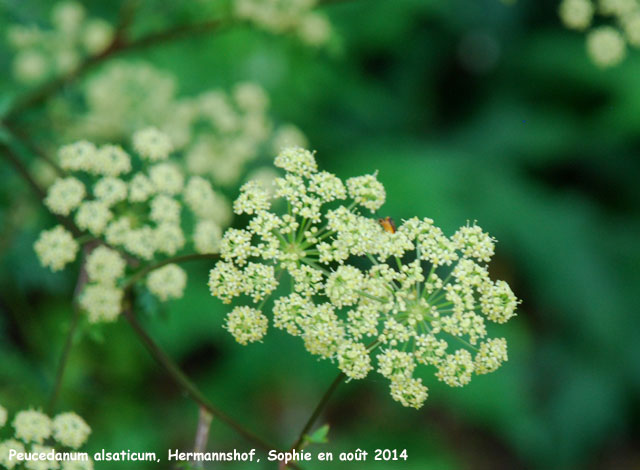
286	16
73	35
134	210
412	294
220	132
35	432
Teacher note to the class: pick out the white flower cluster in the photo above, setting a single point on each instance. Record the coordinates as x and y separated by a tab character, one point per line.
167	282
144	214
58	50
220	132
284	16
125	96
102	302
35	432
358	284
56	248
70	430
235	128
606	44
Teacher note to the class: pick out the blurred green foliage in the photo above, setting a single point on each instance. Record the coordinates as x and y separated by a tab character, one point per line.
470	110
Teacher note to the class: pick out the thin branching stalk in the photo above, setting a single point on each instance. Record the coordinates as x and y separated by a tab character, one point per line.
175	259
202	433
180	378
83	278
318	410
22	170
64	358
323	403
23	139
7	153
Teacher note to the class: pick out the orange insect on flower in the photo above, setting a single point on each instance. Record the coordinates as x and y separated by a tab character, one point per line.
388	224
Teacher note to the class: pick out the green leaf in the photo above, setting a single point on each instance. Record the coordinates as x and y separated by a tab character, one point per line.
319	436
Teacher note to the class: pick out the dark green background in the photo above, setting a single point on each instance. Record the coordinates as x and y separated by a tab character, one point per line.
539	146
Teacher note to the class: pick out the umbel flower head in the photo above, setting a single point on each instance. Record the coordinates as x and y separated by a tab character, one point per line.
32	428
70	430
361	296
220	132
142	215
42	52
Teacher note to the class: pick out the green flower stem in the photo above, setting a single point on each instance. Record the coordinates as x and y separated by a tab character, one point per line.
281	237
174	371
85	239
202	433
320	236
303	226
463	341
374	261
372	297
318	410
418	254
324	231
438	294
64	359
323	402
83	277
180	378
175	259
22	170
35	149
313	264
